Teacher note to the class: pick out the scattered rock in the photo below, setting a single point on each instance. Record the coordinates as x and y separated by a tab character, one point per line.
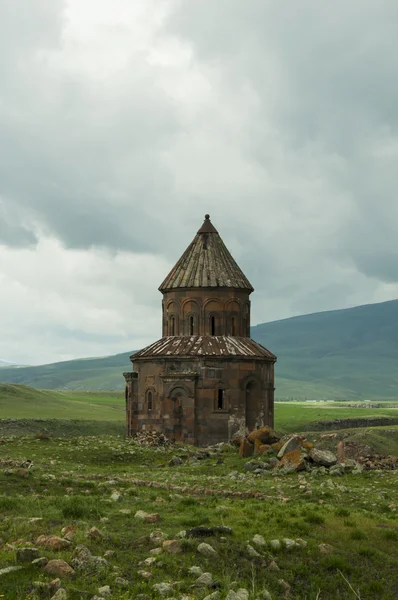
206	550
116	496
323	457
95	534
289	544
195	571
246	449
273	566
109	554
145	574
325	548
53	542
275	544
27	554
156	551
336	470
140	514
252	552
206	580
292	461
69	532
259	540
175	461
292	444
152	518
58	568
265	435
40	562
124	583
172	546
7	570
105	591
163	589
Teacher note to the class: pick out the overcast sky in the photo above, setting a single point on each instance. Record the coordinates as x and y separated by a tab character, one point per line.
122	123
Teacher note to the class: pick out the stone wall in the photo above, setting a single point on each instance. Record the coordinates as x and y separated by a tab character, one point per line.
189	312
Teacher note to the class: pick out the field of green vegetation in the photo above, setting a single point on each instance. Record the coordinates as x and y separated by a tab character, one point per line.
344	529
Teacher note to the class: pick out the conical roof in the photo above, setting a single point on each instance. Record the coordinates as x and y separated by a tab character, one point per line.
206	262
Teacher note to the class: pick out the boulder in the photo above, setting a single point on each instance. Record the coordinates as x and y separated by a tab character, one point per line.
52	542
246	449
292	444
266	435
205	580
323	457
27	554
261	448
58	568
292	462
172	547
206	550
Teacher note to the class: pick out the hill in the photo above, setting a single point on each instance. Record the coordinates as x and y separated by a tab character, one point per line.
23	402
341	354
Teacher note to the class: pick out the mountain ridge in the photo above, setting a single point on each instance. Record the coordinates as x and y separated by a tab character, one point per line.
340	354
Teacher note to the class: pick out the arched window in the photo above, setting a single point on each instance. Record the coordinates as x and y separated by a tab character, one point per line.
149	401
233	326
213	325
172	325
191	325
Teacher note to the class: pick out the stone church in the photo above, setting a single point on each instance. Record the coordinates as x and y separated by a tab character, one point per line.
205	378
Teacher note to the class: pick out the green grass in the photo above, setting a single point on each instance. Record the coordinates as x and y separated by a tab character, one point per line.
72	481
297	416
23	402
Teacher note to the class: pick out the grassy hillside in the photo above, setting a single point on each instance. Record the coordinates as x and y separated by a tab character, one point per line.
23	402
353	352
344	354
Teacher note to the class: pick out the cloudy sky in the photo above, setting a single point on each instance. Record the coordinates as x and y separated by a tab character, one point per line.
122	123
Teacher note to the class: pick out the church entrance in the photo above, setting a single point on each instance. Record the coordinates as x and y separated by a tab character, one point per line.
252	392
177	397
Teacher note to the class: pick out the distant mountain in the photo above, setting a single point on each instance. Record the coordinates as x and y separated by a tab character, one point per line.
4	363
341	354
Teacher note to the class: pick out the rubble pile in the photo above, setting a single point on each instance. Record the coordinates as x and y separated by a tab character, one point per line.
294	453
152	439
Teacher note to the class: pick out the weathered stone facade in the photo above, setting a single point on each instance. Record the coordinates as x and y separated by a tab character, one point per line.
205	378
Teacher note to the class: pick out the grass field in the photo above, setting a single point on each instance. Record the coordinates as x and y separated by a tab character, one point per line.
73	478
23	402
72	482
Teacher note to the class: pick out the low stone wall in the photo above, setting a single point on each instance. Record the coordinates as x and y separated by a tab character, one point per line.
351	423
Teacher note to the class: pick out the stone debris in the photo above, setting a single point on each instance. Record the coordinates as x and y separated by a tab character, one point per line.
27	554
205	580
58	568
259	540
206	550
252	553
172	547
7	570
53	542
151	439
